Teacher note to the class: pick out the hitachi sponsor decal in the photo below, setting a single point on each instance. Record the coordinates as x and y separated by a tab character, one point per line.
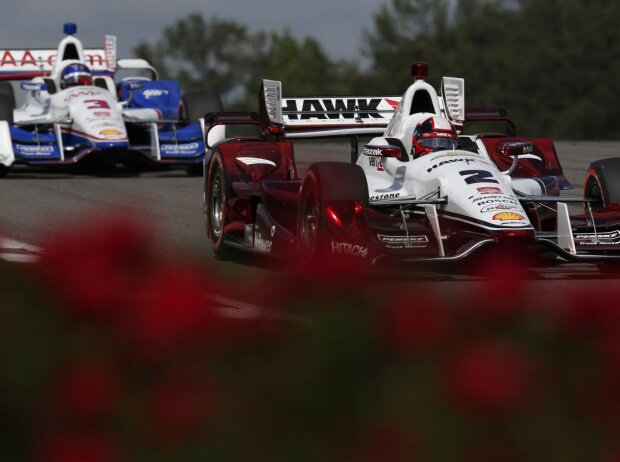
608	238
348	249
400	242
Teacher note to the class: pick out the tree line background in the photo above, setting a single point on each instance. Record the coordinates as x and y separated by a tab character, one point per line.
553	65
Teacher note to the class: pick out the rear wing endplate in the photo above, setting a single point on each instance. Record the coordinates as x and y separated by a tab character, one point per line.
314	116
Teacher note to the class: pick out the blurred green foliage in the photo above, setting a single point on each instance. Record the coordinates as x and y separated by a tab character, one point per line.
553	65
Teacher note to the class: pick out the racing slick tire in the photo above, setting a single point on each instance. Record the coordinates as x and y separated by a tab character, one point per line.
216	196
195	105
6	108
603	183
7	89
324	181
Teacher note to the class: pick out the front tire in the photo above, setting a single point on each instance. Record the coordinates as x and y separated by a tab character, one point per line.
216	193
603	183
325	182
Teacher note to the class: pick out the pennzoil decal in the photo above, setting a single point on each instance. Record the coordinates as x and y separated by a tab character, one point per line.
507	216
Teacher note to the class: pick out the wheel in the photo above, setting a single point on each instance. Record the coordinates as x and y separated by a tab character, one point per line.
7	89
216	195
6	108
195	104
603	183
324	182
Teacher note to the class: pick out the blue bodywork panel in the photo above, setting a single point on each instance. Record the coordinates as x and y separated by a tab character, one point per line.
163	95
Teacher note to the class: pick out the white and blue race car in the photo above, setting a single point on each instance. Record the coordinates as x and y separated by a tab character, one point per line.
85	106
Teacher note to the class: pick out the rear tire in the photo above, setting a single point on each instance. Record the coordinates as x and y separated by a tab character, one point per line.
603	183
324	181
216	196
7	89
6	108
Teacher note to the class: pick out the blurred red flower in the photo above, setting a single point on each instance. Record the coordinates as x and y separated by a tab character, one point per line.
591	314
91	264
179	405
172	311
490	377
416	321
79	446
86	390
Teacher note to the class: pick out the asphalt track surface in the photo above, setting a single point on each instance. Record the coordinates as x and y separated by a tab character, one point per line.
32	203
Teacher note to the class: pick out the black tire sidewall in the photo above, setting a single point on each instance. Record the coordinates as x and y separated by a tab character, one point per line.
216	165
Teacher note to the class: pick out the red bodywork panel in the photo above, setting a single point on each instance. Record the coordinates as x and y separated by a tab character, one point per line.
526	168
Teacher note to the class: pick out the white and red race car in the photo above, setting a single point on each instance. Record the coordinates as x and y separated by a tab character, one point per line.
421	190
75	110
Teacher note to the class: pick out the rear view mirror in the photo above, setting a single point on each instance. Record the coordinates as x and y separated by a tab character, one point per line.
517	148
215	134
33	86
383	151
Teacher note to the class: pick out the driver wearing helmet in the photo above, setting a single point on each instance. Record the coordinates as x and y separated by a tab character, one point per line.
75	74
433	134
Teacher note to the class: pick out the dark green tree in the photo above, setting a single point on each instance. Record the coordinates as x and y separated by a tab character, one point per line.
214	55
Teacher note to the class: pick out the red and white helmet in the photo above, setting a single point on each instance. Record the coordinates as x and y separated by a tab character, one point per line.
434	133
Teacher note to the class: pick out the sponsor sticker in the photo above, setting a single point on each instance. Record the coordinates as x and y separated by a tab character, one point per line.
260	244
508	216
348	249
110	132
154	93
376	162
372	152
29	149
495	208
489	190
382	197
608	238
180	149
400	242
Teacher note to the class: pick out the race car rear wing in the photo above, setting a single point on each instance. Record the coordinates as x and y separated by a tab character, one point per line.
23	64
319	117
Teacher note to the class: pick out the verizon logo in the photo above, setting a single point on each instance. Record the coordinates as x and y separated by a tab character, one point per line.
332	108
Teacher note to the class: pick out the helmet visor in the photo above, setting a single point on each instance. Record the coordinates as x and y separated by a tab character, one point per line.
439	142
